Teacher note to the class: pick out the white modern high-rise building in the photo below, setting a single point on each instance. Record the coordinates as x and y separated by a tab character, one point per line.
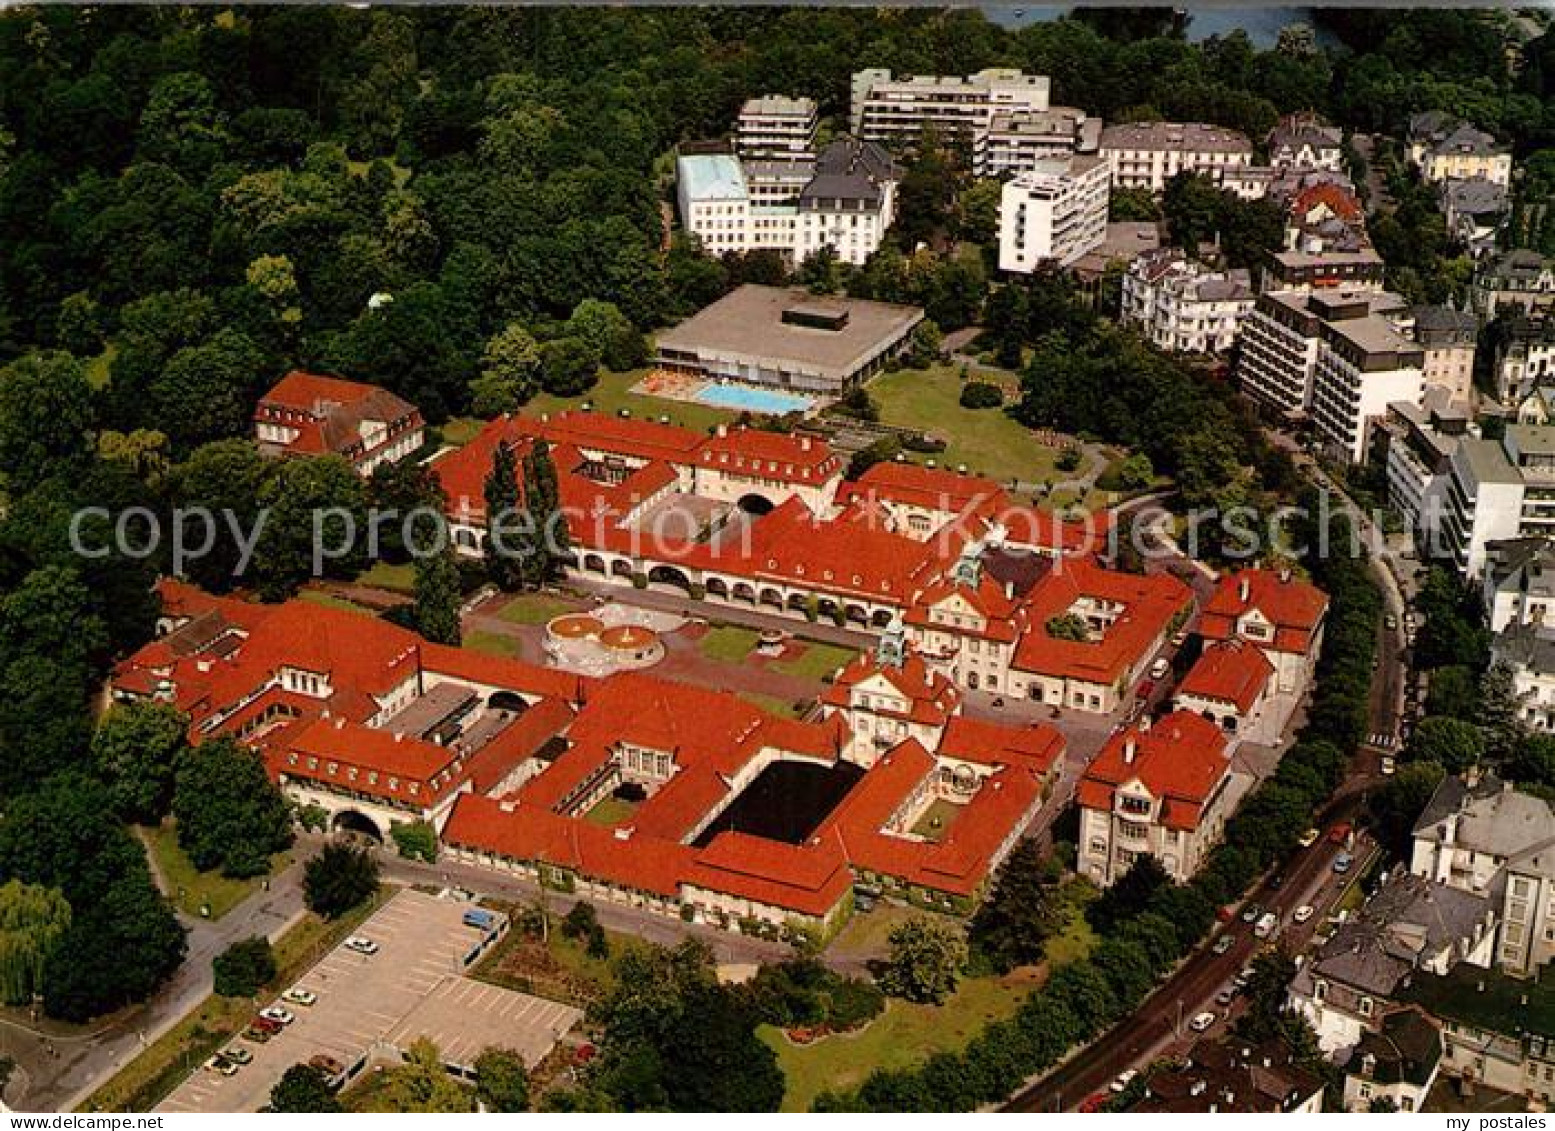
777	128
1053	214
897	110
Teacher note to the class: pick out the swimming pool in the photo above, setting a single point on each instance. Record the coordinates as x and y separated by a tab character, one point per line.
748	399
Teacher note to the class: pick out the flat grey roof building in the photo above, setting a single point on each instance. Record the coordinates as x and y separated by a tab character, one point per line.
788	338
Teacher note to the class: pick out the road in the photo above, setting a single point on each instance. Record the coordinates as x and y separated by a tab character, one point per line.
1153	1028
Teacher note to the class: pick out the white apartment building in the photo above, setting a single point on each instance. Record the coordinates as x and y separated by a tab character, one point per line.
844	199
1519	585
1485	837
1184	307
1525	360
1053	214
1017	141
1421	441
1497	491
1335	357
897	110
1148	154
775	127
1448	337
1445	148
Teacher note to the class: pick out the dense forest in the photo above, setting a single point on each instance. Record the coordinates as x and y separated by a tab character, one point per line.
462	204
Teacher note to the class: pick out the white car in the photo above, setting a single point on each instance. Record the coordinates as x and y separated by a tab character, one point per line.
222	1065
1303	913
1159	669
1123	1079
1202	1021
299	996
279	1015
1309	838
361	945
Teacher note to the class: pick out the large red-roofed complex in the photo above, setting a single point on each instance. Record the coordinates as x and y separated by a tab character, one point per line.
309	415
510	761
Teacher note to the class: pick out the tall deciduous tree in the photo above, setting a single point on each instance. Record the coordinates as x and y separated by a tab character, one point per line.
136	751
33	919
437	598
504	523
230	815
927	956
339	878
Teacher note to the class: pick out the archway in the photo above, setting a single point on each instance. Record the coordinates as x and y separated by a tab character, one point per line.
593	563
754	504
857	614
772	597
669	575
744	592
797	601
717	587
357	823
621	568
881	618
507	701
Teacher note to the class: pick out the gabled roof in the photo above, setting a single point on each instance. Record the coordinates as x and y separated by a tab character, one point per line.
1295	608
778	456
931	698
1405	1050
1229	671
1181	760
327	411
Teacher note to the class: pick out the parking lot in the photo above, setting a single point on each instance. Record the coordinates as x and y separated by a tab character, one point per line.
413	986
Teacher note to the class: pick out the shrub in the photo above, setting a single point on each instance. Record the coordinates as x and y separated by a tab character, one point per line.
338	878
981	394
416	840
244	968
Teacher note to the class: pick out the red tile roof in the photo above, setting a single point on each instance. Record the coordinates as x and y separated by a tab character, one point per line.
929	488
363	759
1037	745
327	413
1149	603
1181	760
1232	671
931	698
1295	608
1002	614
777	456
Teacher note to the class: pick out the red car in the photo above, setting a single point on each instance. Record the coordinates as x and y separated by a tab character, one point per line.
1339	833
1093	1103
265	1025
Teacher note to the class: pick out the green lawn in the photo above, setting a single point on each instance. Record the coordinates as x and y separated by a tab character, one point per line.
783	708
901	1037
937	819
142	1083
461	430
397	578
610	812
191	889
612	393
330	601
492	642
728	643
817	661
986	440
535	608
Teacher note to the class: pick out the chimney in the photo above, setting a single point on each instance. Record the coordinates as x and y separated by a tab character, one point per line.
804	443
1285	575
340	723
723	430
1009	590
399	736
1130	749
1244	588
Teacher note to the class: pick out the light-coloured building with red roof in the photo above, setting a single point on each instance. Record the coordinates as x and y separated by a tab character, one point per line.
309	415
1162	789
1276	612
1232	685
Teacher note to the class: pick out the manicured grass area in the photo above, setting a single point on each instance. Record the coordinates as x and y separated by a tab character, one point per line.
901	1037
191	889
397	578
612	394
986	440
937	819
145	1081
558	968
461	430
728	643
330	601
772	704
535	608
817	661
492	642
611	811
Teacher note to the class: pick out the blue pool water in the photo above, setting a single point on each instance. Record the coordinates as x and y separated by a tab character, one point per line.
744	398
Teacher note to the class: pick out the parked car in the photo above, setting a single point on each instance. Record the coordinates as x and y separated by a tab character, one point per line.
1123	1079
1251	913
1159	669
299	996
327	1065
278	1014
222	1065
361	944
1243	976
1266	924
1342	863
1225	996
1390	622
1093	1103
265	1025
1202	1021
1339	833
1388	766
259	1036
1303	913
1224	943
237	1054
1179	639
1309	838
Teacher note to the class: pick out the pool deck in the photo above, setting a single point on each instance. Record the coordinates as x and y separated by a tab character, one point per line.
718	394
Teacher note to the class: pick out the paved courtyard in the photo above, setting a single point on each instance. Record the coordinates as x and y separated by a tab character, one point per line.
413	986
